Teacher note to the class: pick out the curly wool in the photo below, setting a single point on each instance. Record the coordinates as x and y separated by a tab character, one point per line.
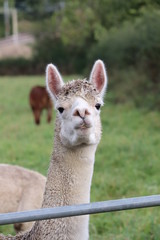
79	87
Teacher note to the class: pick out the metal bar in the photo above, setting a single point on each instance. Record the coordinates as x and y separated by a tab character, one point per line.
83	209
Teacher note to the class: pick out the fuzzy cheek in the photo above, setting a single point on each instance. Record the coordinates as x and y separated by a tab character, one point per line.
67	126
65	116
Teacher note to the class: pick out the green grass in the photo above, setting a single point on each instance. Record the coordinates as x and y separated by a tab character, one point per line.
127	160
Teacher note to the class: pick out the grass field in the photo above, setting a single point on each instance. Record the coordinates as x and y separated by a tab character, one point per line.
127	160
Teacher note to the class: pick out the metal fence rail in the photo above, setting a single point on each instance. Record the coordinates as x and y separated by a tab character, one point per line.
83	209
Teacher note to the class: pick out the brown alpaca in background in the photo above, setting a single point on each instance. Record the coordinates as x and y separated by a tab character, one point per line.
39	100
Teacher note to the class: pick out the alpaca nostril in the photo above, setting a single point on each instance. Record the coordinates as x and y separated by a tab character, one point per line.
77	113
81	113
87	112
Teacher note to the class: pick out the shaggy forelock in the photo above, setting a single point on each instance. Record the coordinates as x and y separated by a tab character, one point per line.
78	87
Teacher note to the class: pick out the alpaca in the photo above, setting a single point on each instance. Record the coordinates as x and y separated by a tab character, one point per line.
20	189
39	100
77	134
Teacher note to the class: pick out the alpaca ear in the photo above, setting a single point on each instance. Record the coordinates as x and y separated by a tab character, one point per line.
98	77
54	81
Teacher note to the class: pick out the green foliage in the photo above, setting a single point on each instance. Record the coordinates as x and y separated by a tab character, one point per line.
77	17
125	34
134	46
1	25
134	87
126	163
131	44
69	35
113	13
34	10
108	28
11	3
21	66
55	51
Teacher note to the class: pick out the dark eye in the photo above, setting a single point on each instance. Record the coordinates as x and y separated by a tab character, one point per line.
98	105
60	109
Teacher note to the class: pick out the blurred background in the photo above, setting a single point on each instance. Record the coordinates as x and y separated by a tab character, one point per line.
72	35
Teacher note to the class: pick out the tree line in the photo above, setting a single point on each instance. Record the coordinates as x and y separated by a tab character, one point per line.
125	34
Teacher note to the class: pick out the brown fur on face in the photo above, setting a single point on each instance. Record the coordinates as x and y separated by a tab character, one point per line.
39	100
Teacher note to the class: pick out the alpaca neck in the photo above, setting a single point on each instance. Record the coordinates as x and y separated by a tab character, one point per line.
68	183
70	174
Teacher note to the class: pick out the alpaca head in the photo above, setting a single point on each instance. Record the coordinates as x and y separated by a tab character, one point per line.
78	104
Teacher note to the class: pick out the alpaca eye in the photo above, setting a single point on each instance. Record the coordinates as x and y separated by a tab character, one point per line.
98	105
60	109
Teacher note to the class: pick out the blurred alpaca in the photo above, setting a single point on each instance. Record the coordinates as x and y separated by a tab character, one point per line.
20	189
39	100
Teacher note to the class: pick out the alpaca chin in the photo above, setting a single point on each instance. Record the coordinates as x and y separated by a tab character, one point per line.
84	136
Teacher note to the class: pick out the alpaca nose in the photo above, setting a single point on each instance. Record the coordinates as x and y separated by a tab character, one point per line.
81	112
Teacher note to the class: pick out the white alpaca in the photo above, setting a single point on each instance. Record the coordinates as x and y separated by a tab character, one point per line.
77	134
20	189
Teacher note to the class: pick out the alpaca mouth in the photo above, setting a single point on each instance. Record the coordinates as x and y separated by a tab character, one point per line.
83	126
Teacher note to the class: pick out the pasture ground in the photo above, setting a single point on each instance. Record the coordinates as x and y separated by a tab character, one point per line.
127	160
